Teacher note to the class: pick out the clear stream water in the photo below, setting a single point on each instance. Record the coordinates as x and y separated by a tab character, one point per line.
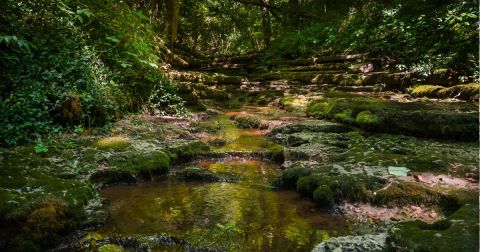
244	216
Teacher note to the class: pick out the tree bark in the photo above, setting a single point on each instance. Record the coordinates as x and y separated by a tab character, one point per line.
173	17
266	26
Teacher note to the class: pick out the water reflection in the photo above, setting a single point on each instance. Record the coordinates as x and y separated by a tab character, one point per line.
233	216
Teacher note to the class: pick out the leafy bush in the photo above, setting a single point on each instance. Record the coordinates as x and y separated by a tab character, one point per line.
66	63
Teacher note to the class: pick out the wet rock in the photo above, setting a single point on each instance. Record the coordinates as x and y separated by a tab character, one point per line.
197	173
371	242
112	176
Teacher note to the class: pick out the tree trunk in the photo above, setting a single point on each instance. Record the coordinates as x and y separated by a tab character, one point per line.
266	26
173	16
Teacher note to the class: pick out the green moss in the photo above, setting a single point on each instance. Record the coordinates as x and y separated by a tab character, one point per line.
38	225
447	121
293	103
307	184
247	122
110	248
112	176
407	193
275	154
465	91
289	177
430	91
188	151
147	165
324	196
115	143
459	232
366	119
345	117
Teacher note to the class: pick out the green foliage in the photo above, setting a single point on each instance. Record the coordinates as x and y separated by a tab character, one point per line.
40	148
419	36
67	63
164	99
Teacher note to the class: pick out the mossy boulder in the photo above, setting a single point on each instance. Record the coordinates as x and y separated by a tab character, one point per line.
409	193
459	232
187	151
46	217
430	91
345	116
112	143
366	119
112	176
247	122
469	91
39	225
290	176
324	196
465	92
147	165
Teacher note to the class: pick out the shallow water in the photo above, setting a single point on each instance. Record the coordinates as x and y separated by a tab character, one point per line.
243	216
243	140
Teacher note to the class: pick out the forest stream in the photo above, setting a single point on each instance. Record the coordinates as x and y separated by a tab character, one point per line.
239	125
233	199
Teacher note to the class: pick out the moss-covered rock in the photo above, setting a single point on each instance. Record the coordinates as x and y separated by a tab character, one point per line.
345	116
147	165
430	91
289	177
408	193
37	226
187	151
307	184
247	122
459	232
324	196
112	176
447	121
464	91
114	143
366	119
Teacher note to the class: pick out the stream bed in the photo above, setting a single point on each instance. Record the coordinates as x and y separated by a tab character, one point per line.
244	216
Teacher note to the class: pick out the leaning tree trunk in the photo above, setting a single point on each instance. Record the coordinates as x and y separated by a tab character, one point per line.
173	17
266	26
